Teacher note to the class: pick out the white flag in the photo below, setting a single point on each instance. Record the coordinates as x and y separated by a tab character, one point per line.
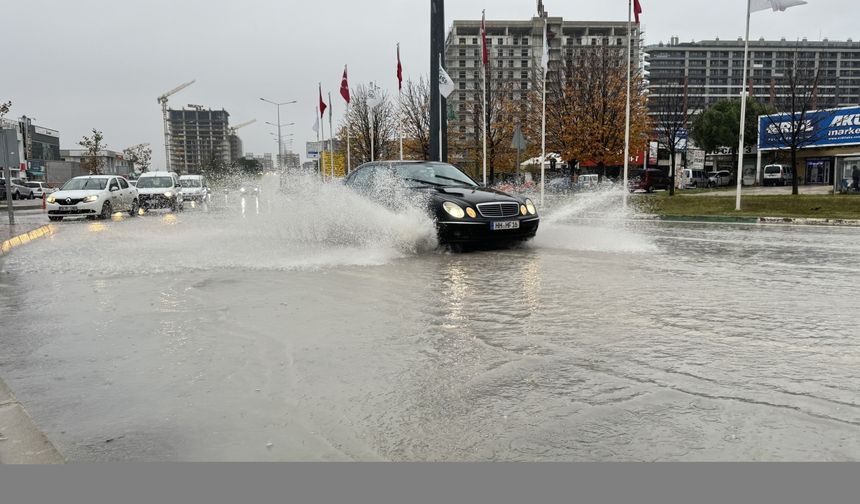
446	85
776	5
544	58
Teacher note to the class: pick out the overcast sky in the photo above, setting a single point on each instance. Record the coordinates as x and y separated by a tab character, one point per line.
79	64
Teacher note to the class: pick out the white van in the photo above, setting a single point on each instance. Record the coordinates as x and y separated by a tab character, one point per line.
194	188
693	178
159	189
775	174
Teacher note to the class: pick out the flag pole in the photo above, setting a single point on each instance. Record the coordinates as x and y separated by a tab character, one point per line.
440	112
370	115
627	110
543	119
743	112
484	102
348	131
319	154
331	134
399	105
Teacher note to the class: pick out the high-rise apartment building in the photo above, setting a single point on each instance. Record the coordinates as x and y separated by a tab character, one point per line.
198	138
515	49
713	70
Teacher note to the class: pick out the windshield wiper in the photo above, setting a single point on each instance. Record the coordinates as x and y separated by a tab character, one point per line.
420	181
461	182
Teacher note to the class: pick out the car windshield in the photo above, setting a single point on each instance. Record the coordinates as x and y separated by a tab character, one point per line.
436	174
84	183
190	183
154	182
33	184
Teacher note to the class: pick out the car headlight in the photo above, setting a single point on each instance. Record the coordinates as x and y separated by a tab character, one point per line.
168	194
530	207
523	210
242	190
52	199
471	212
90	199
453	210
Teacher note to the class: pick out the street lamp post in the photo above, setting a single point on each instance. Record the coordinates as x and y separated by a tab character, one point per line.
280	136
278	106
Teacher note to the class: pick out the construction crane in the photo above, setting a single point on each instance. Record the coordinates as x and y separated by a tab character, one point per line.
163	101
241	125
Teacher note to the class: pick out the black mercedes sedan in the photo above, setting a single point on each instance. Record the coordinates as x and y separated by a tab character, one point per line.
464	211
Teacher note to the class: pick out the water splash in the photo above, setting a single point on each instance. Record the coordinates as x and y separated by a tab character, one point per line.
591	221
310	225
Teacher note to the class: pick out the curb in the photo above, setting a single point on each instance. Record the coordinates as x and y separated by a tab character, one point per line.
21	442
722	219
24	238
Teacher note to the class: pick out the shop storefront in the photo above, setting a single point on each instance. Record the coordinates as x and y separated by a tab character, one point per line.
831	146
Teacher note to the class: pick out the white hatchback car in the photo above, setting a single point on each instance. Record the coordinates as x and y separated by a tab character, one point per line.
93	196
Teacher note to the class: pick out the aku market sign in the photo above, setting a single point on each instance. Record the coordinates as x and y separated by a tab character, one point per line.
819	128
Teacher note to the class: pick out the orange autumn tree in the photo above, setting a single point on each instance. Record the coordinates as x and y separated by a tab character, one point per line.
586	103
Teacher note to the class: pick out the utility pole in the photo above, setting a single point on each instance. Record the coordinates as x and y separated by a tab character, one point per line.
7	176
278	106
438	114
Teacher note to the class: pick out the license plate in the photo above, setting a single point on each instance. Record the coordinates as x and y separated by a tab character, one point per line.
499	225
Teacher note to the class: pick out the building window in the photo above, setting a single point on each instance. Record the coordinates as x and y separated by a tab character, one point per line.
462	75
525	52
463	42
462	53
501	41
525	64
525	75
475	41
463	86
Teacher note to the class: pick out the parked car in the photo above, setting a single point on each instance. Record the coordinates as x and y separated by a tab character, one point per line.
160	189
648	180
93	196
194	188
132	183
719	178
464	211
20	190
693	178
776	175
40	189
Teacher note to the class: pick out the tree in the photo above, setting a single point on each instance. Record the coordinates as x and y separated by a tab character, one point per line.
362	121
586	105
793	126
4	108
719	125
671	111
140	155
415	114
93	145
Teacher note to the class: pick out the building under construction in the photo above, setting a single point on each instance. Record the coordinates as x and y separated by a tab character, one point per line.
199	138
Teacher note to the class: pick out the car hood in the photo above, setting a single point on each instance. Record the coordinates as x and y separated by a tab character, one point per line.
155	190
474	195
191	190
78	194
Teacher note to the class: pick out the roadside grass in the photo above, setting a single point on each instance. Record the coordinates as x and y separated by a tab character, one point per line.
809	206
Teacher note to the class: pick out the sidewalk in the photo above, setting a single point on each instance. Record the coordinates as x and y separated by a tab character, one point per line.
21	442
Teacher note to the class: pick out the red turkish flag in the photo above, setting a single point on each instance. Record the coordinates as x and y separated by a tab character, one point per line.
323	106
344	86
637	9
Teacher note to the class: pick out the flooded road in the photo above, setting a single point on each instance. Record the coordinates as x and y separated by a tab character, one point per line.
316	326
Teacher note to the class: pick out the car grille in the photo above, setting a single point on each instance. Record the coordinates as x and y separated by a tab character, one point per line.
69	201
491	210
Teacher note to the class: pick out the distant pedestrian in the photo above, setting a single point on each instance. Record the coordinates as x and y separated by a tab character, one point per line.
855	175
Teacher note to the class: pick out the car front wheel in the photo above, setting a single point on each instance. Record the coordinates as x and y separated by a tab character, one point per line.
135	207
106	211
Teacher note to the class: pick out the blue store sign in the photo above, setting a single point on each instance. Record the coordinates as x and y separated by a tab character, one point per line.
819	128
